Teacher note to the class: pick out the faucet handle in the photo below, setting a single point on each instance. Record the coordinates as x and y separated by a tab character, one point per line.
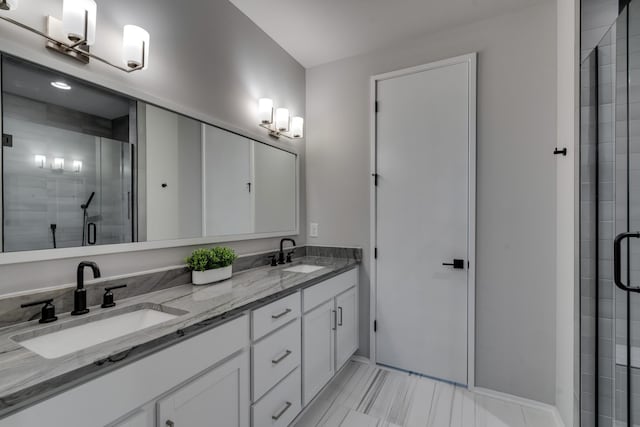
107	298
48	310
274	262
289	254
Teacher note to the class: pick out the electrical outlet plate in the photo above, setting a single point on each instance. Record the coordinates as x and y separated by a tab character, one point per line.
313	229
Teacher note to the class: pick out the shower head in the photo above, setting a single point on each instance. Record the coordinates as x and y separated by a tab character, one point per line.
86	205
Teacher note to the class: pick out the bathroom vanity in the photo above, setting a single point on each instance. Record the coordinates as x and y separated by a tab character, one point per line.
253	350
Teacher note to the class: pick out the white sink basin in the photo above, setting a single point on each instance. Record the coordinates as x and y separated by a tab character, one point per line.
303	268
60	342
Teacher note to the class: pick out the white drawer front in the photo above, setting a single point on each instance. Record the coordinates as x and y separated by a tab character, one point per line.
272	316
274	357
324	291
281	405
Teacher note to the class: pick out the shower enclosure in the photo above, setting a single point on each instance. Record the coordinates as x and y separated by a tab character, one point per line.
609	221
68	156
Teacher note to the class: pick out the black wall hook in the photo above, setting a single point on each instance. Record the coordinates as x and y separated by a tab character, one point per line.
563	151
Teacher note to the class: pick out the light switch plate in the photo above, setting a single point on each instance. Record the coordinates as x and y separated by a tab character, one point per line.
313	229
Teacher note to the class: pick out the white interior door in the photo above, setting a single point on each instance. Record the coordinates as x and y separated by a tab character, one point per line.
228	183
424	145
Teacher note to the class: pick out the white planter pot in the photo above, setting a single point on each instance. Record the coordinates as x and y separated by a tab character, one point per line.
211	276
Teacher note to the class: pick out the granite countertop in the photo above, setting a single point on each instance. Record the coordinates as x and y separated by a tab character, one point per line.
28	378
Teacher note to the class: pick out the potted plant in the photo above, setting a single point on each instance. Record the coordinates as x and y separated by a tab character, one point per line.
211	265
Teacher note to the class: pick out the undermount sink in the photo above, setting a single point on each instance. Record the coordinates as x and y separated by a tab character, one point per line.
303	268
53	342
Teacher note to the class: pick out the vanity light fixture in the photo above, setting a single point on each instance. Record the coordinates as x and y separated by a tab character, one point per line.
77	166
282	125
8	4
61	85
58	163
40	161
76	32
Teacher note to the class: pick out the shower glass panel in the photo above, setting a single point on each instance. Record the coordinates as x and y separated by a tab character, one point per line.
43	199
609	210
67	162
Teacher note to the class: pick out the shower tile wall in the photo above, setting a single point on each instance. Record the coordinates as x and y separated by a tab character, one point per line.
596	16
35	198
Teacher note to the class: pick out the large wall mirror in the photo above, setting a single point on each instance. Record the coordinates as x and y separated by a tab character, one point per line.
85	167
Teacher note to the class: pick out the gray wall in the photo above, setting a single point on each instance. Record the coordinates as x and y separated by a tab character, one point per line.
207	60
515	306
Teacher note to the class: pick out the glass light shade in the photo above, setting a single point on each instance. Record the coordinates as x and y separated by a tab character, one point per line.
265	110
282	119
297	126
8	4
58	163
77	166
78	17
135	47
40	161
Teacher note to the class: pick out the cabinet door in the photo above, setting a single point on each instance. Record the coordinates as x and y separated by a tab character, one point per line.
218	398
347	330
142	418
318	349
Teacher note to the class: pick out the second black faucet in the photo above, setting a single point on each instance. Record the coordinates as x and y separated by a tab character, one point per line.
80	294
281	259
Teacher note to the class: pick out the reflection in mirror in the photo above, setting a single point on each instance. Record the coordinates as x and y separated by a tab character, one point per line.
170	187
67	161
84	166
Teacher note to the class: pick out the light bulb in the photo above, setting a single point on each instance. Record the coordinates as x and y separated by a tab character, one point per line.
79	20
282	119
77	166
40	161
297	127
135	47
265	111
58	163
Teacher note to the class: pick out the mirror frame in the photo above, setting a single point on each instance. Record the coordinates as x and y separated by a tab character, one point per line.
7	258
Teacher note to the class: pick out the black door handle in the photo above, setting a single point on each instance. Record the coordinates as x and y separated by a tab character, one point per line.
617	263
458	264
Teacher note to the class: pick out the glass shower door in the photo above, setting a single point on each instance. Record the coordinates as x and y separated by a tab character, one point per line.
610	221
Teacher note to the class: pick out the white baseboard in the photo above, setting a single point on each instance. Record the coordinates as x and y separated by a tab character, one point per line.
523	402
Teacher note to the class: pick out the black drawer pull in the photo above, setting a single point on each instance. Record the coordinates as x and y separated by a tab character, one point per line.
281	358
284	313
277	416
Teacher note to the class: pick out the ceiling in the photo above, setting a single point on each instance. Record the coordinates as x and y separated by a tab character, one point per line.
315	32
33	82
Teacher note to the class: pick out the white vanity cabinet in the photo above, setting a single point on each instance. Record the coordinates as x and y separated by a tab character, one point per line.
260	369
276	359
219	397
329	331
191	374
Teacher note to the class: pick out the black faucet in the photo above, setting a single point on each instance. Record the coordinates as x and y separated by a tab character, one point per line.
80	294
281	254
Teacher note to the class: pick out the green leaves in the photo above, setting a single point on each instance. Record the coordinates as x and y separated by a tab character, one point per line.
210	259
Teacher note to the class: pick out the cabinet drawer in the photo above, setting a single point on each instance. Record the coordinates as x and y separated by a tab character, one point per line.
281	405
272	316
324	291
274	357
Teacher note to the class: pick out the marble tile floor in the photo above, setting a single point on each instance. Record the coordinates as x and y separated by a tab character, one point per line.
363	395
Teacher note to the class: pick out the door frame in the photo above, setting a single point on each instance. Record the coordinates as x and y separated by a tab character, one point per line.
471	60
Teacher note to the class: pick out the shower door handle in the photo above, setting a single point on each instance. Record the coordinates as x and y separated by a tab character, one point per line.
617	262
91	233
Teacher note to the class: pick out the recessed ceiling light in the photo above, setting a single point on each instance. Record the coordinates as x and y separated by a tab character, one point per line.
61	85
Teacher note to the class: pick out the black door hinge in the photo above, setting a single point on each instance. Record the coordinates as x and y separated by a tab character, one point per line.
7	140
375	253
375	178
377	106
375	326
